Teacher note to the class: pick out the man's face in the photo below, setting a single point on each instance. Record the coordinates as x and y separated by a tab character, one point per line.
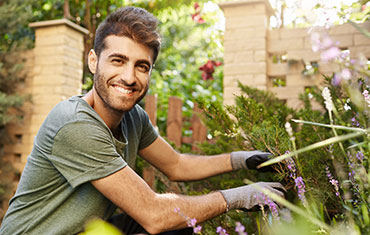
122	73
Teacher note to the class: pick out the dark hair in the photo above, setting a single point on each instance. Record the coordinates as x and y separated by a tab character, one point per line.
132	22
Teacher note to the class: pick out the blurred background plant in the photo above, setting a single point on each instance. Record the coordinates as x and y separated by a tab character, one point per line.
14	37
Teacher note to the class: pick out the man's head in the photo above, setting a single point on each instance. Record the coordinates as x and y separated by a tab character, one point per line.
126	46
134	23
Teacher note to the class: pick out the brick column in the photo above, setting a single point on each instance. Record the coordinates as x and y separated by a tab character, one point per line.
245	45
58	66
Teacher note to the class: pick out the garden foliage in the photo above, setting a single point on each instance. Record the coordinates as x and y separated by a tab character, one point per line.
320	151
14	37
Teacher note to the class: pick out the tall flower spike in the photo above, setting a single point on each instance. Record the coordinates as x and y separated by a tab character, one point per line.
301	189
332	181
327	97
289	129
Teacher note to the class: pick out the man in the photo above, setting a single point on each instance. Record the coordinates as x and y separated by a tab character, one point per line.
81	163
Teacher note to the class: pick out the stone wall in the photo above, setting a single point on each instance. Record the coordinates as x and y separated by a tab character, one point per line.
54	72
263	58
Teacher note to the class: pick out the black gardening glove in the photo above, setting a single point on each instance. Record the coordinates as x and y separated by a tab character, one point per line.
250	160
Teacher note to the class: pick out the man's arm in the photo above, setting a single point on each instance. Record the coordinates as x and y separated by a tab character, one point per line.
184	167
156	212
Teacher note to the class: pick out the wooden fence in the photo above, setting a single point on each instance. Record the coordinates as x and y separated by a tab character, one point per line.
174	132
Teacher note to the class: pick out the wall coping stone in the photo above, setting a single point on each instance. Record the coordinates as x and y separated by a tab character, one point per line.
224	5
49	23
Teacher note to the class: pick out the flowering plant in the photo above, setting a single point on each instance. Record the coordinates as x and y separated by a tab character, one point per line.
323	154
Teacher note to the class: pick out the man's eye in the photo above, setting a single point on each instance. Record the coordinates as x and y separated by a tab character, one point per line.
117	61
143	68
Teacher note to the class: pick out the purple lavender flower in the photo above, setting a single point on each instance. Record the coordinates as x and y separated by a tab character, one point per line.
351	166
337	79
332	181
355	122
221	231
360	156
240	229
197	229
192	222
265	200
292	168
301	189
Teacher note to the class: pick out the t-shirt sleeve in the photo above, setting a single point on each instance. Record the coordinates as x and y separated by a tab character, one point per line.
149	134
84	151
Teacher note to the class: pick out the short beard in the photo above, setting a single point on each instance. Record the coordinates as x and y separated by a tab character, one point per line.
98	78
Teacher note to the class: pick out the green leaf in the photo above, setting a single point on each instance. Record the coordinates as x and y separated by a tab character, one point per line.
313	146
330	126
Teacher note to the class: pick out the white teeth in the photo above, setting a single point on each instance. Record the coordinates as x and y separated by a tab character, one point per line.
123	90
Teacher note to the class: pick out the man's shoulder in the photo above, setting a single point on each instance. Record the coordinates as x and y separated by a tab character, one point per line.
138	111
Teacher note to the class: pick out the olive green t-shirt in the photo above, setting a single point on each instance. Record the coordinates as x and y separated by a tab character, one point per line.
73	147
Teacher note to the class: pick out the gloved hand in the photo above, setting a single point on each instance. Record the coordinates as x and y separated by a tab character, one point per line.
246	197
250	160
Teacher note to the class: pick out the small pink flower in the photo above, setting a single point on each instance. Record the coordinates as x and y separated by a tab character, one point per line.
346	74
330	54
197	229
192	222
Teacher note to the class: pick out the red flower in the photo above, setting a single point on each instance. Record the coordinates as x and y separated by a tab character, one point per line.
197	18
208	69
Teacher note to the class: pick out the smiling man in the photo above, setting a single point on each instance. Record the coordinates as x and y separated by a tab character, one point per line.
81	165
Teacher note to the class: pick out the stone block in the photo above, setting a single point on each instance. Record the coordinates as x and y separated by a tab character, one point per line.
49	50
347	29
281	46
245	9
361	40
243	45
246	21
356	51
344	41
46	80
260	56
245	33
306	55
49	31
286	33
245	68
235	57
46	61
328	68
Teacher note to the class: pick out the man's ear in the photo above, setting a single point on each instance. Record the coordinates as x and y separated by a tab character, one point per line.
92	61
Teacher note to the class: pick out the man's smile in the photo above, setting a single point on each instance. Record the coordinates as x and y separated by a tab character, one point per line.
126	91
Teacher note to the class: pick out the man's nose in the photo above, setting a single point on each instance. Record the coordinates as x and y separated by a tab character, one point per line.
128	76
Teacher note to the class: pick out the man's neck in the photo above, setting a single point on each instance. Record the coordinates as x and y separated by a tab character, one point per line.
111	117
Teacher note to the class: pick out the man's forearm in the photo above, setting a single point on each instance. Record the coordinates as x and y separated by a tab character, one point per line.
156	212
201	167
173	210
